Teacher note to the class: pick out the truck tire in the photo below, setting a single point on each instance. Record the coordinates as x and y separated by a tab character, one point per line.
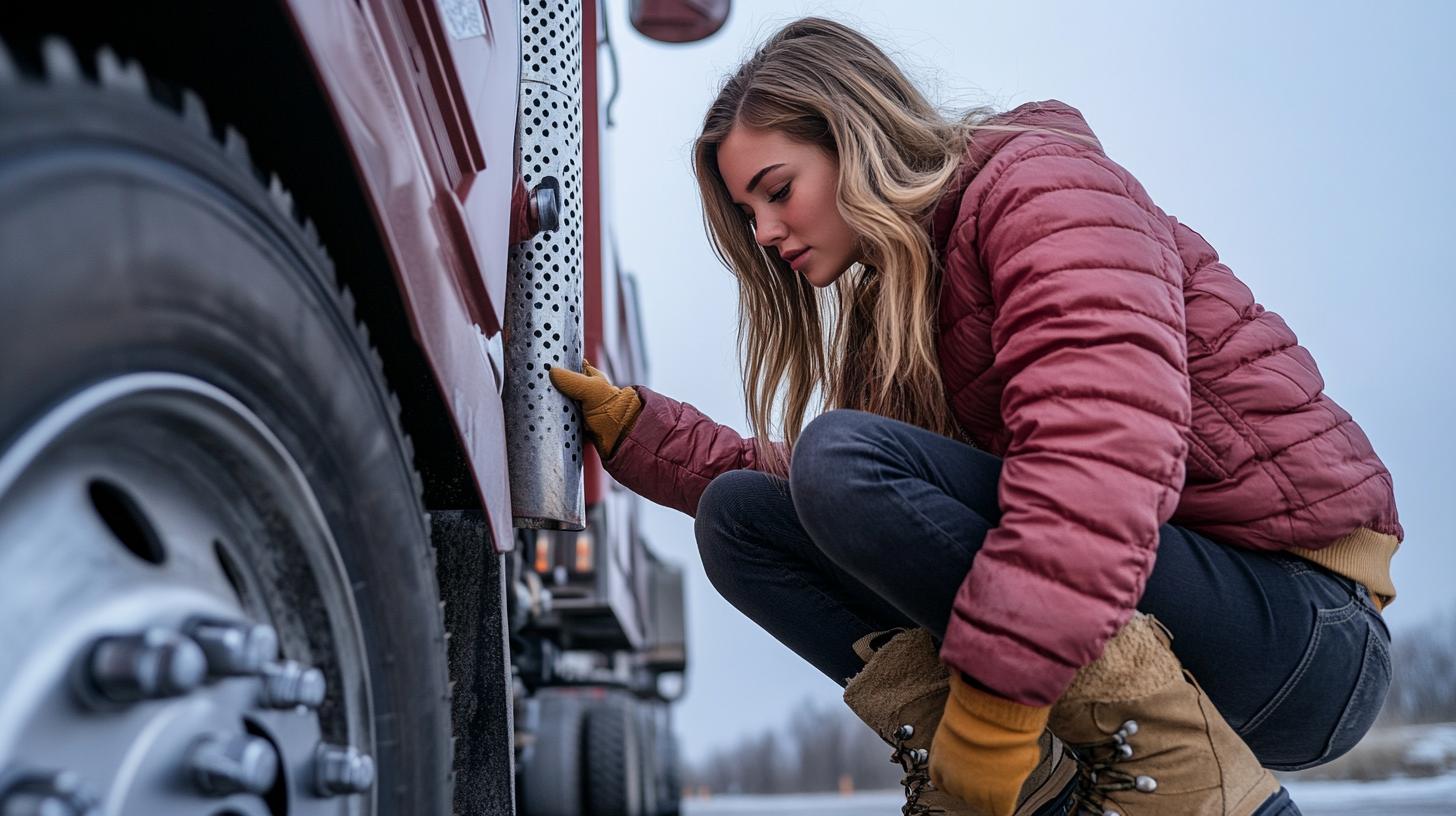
551	778
649	758
193	426
613	758
670	802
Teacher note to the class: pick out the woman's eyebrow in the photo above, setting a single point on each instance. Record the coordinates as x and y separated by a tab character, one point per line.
753	182
757	177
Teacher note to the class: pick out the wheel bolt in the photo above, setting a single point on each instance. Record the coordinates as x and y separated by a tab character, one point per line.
223	765
289	684
340	770
235	649
48	794
155	664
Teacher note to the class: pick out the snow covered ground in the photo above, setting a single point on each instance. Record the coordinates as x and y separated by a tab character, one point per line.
1392	797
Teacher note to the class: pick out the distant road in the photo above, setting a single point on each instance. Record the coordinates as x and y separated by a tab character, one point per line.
1402	797
861	804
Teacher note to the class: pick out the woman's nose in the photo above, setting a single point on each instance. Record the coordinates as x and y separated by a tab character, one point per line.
768	233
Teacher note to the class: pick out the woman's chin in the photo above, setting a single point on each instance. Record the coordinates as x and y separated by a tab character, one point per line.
819	278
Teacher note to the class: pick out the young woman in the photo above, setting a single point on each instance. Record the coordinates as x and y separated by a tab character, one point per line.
1063	434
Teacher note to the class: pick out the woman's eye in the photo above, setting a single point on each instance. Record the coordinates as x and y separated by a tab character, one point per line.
780	195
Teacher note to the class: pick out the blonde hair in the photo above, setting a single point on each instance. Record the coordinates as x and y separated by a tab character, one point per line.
825	84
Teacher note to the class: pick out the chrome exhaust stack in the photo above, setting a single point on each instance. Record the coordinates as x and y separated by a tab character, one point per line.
544	288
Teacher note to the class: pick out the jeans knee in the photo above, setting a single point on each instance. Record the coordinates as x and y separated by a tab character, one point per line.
716	525
831	446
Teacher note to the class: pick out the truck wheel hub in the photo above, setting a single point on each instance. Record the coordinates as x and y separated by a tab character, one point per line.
143	670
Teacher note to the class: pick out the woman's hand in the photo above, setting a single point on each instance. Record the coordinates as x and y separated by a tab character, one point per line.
985	747
609	411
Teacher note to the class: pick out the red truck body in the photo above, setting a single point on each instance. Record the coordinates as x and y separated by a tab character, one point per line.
427	111
435	153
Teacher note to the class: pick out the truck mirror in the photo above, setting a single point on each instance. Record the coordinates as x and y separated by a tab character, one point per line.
679	21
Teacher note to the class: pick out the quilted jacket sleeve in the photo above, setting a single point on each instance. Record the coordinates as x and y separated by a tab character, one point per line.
1089	341
673	451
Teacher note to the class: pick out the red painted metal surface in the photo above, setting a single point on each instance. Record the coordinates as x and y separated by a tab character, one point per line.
609	339
593	475
430	120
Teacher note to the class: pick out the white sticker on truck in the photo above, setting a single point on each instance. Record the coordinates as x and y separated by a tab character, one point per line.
463	18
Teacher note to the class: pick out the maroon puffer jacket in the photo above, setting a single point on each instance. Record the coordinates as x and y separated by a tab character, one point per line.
1126	377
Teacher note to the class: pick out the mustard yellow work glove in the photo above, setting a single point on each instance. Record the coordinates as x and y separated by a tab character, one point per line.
609	411
985	748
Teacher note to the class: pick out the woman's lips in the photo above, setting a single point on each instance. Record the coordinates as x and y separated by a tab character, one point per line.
798	261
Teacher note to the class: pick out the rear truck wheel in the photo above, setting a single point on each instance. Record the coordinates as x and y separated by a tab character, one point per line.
645	719
216	581
551	776
664	760
670	802
613	758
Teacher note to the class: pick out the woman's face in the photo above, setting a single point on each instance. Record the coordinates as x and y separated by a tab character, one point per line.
786	188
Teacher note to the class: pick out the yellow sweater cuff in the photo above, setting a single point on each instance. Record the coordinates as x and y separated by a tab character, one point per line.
998	711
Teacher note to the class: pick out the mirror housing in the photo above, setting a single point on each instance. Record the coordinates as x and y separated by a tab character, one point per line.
679	21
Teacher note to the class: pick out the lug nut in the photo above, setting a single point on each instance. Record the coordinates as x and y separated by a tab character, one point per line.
340	770
223	765
48	794
289	684
235	649
155	664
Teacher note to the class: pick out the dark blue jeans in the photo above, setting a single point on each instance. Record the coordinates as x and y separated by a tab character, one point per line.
880	521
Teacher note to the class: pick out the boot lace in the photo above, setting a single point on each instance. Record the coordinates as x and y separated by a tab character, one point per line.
916	762
1100	776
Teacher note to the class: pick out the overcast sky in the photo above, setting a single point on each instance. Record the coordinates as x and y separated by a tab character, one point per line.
1310	143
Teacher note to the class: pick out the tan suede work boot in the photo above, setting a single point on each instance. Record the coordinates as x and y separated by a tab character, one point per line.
1152	741
901	693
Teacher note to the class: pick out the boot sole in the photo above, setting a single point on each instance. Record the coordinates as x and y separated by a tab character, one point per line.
1278	805
1056	796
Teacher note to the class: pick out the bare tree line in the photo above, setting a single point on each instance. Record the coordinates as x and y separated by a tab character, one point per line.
1423	663
823	746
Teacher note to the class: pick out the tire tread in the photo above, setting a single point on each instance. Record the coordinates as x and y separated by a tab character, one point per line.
613	758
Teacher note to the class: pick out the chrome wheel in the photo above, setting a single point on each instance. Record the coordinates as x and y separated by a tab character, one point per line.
178	631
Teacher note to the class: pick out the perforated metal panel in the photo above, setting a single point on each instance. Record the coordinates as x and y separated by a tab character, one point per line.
544	290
